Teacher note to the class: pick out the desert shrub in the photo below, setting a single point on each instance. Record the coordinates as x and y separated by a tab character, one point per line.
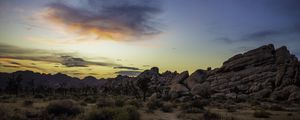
167	107
276	107
230	108
119	102
83	104
63	107
39	96
199	103
9	113
193	110
113	113
211	116
27	103
5	97
90	99
152	105
104	102
133	113
166	97
135	103
261	114
254	102
32	114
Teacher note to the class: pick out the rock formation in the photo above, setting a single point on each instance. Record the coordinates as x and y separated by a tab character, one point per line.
261	73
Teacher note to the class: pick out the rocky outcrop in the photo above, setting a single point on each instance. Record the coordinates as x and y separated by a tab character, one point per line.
198	77
180	79
262	73
258	73
203	89
178	90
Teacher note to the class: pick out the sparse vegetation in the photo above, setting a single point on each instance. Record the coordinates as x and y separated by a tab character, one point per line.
211	116
261	114
152	105
27	103
167	107
63	107
119	102
113	113
90	99
105	102
135	103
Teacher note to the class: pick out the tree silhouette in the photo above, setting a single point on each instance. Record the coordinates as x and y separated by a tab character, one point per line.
19	79
143	85
32	86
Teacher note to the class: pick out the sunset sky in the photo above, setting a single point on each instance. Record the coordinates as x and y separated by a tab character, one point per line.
104	38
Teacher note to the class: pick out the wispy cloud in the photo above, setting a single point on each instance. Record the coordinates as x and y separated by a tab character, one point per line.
126	67
13	64
107	19
262	35
18	53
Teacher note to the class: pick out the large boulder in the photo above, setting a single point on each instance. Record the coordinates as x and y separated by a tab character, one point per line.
202	90
199	76
153	73
180	78
178	90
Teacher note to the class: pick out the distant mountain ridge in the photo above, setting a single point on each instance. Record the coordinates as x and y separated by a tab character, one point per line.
49	80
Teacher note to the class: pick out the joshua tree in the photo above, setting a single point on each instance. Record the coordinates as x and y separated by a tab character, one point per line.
11	84
18	84
143	85
32	85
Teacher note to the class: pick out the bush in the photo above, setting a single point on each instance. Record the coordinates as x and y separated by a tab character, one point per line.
90	99
135	103
261	114
63	107
83	104
105	103
210	116
39	96
199	103
114	113
167	107
152	105
133	113
27	103
230	108
193	110
119	102
8	113
276	107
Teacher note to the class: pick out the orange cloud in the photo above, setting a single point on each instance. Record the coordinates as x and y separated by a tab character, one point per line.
121	22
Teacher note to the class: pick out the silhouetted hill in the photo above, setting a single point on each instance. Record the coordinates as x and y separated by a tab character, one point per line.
48	80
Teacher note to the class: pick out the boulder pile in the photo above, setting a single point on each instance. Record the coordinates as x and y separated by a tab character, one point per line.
262	73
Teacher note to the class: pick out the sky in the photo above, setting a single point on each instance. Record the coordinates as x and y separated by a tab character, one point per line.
106	38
